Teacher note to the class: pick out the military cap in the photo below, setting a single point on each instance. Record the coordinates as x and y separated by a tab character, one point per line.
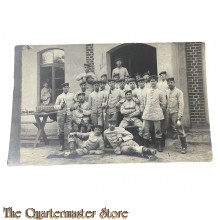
118	58
131	80
163	72
82	82
104	74
65	84
147	73
121	80
140	79
103	81
86	64
112	119
170	79
96	81
111	79
98	126
154	77
80	93
128	91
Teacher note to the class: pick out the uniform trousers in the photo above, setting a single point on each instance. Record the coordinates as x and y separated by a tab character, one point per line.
147	124
63	118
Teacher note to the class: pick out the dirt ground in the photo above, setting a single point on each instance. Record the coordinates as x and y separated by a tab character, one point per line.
198	151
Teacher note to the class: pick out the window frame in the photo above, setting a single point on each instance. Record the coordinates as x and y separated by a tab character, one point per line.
53	65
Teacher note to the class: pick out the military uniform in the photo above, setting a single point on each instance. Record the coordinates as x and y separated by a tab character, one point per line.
93	145
142	97
88	77
162	85
64	115
175	107
122	71
131	111
128	146
81	114
113	104
95	102
153	112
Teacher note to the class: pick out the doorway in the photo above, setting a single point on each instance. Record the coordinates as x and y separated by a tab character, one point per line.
137	58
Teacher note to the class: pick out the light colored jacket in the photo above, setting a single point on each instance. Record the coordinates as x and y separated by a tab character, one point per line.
175	101
119	132
130	109
68	99
155	105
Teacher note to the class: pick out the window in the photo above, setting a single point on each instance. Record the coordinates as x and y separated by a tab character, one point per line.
52	71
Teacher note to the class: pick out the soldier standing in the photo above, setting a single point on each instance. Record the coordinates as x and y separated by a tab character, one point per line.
174	113
122	71
84	89
146	76
111	103
88	77
96	99
64	104
162	84
153	113
142	94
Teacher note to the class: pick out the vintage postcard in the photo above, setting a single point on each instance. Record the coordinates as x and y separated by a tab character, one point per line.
110	103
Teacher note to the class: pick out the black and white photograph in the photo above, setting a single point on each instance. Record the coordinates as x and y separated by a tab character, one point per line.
111	103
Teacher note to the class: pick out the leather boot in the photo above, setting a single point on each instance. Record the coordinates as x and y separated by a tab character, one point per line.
159	144
146	143
163	140
183	144
61	139
147	152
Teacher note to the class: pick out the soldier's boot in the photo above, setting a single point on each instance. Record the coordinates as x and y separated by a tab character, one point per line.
148	152
183	144
71	151
146	143
61	139
163	141
159	144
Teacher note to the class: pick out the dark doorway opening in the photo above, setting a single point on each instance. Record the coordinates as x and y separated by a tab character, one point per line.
137	58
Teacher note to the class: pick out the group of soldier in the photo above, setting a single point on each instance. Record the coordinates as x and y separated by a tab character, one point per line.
105	112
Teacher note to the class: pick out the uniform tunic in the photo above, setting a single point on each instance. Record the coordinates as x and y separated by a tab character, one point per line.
156	102
141	95
131	111
153	112
87	77
128	146
64	115
175	107
95	102
82	111
162	85
93	145
122	72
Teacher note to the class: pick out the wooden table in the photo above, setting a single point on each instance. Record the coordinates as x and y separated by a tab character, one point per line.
40	124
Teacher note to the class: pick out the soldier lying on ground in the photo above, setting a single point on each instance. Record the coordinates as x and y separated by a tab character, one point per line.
93	145
122	142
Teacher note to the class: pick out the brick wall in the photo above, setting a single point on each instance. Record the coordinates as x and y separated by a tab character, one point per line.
90	56
195	84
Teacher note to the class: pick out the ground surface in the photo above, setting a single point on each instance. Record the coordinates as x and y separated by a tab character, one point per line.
199	150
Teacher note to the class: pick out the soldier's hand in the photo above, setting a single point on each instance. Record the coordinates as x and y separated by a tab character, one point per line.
119	141
80	110
63	105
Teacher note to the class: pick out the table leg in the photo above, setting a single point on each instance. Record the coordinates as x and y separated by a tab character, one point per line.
41	133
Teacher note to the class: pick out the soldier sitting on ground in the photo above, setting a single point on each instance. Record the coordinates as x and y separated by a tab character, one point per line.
122	142
94	143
